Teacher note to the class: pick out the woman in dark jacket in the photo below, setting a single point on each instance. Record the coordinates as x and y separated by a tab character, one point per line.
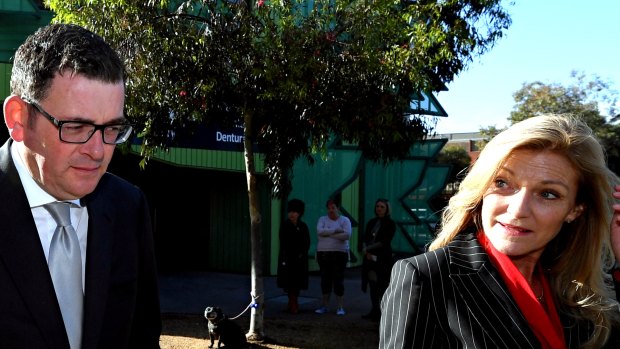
378	259
293	256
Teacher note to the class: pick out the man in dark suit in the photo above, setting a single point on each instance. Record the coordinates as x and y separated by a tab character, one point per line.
65	116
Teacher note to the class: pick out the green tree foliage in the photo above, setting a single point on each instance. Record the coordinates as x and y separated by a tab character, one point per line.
294	74
303	71
487	133
593	100
457	158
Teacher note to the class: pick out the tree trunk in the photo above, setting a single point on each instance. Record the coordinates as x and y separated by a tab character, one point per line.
256	332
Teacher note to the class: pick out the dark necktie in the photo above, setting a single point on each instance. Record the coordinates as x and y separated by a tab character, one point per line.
65	264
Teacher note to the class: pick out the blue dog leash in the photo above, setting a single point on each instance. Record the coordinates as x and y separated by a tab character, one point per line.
252	304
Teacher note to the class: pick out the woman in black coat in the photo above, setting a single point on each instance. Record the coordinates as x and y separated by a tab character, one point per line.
377	262
293	256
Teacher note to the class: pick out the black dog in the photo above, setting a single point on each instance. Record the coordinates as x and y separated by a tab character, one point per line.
224	330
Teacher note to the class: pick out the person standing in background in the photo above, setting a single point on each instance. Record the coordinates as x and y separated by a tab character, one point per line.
293	256
377	262
332	254
77	262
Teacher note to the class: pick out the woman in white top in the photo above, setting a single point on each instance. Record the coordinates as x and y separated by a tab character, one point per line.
332	253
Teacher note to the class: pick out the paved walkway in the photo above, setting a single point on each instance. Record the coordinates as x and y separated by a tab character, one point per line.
192	292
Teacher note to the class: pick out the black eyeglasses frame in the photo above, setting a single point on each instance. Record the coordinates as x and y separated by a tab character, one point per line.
59	123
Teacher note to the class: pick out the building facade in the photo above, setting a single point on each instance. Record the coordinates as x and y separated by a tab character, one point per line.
198	195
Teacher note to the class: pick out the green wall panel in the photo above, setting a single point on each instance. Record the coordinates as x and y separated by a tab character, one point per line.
206	159
5	79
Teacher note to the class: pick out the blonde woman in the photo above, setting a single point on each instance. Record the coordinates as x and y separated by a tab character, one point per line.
523	256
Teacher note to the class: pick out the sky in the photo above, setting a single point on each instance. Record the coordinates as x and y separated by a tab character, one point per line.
547	40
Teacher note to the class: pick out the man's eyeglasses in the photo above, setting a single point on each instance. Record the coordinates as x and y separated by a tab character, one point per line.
80	132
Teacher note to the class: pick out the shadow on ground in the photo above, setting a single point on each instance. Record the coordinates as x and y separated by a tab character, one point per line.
305	330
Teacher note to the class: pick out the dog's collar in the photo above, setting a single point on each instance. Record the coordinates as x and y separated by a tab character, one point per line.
215	320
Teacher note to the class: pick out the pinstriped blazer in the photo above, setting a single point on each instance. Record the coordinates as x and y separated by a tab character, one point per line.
454	298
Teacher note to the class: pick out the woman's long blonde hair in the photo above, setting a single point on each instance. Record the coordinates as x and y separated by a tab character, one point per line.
579	255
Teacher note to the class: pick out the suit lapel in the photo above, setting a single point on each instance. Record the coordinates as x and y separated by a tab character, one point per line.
97	266
486	296
23	256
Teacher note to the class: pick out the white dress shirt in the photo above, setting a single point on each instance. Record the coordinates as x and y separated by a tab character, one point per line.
37	197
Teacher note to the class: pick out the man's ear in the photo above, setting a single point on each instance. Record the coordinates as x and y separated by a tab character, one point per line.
15	116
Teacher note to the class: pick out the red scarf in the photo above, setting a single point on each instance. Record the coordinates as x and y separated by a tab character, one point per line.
543	319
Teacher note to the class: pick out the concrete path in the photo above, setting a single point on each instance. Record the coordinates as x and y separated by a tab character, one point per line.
192	292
